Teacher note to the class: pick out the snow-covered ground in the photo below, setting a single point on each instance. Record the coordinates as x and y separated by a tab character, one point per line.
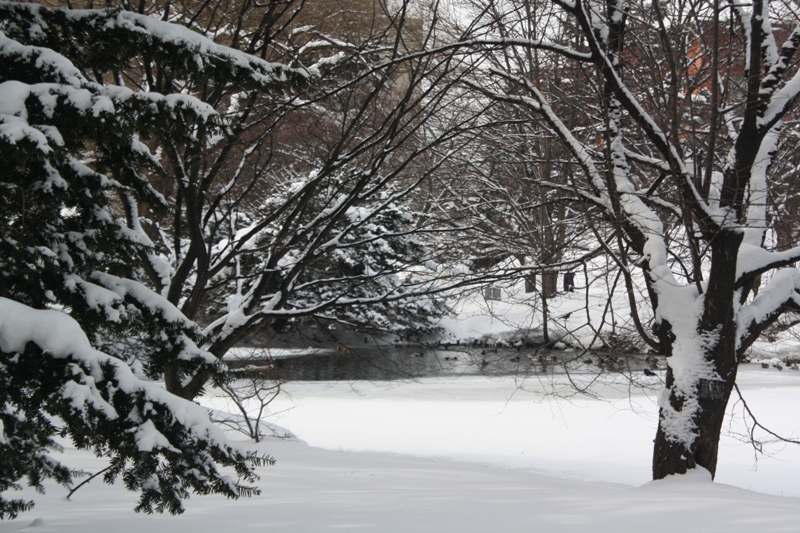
479	453
512	424
471	454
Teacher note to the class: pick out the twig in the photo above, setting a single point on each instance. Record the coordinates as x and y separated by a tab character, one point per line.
757	444
87	480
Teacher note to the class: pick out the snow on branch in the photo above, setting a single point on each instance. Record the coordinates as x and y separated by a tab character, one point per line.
780	294
781	102
777	70
496	43
754	260
152	437
53	66
156	305
540	105
89	100
769	49
201	56
757	189
672	155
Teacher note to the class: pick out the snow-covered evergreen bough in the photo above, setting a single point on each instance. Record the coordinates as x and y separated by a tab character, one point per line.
67	260
54	383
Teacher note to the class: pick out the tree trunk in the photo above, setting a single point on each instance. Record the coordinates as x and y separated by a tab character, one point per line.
530	279
671	457
549	283
718	322
530	283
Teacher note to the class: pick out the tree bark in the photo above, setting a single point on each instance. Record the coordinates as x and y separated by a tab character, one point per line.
549	283
718	325
671	457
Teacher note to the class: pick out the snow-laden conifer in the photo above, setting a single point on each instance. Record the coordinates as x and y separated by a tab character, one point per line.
74	168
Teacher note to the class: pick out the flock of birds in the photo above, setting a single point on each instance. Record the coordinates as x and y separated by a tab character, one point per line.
603	362
779	366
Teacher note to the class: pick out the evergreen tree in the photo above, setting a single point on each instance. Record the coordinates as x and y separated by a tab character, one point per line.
74	161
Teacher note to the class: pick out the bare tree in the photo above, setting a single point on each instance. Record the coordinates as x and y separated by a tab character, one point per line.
297	206
498	189
675	161
250	386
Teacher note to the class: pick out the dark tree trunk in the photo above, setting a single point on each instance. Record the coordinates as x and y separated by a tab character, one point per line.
530	283
718	323
549	283
530	279
670	457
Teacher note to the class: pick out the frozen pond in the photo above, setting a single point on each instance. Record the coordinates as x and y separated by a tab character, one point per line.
390	363
539	423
